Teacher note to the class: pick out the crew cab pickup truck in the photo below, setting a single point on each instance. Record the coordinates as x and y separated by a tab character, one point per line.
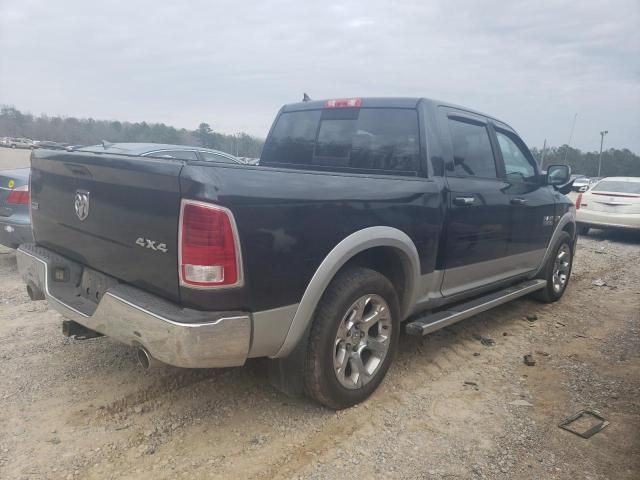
364	216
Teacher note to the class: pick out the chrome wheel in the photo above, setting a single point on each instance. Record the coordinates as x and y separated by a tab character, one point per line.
362	341
561	268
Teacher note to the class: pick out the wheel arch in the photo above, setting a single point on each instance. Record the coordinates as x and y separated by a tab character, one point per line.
567	221
570	228
375	247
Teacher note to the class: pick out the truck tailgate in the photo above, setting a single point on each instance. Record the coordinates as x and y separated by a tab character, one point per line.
131	204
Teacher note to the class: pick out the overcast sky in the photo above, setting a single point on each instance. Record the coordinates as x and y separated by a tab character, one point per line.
533	64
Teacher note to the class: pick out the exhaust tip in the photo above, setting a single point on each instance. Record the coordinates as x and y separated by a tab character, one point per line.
34	292
146	360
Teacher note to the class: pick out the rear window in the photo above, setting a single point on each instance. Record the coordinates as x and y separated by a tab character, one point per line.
384	139
617	186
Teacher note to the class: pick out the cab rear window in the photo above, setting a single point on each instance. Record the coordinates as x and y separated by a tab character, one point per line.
379	139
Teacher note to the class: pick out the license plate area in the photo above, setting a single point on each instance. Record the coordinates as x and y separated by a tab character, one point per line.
77	286
93	285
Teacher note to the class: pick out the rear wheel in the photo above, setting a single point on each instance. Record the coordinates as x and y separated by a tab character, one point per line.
353	338
557	270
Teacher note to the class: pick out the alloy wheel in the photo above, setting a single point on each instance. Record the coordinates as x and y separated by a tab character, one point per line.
561	268
362	341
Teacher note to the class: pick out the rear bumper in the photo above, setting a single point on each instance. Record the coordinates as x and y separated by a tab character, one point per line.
596	219
173	335
13	234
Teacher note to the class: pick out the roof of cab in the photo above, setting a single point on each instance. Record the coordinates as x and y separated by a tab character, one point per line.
387	102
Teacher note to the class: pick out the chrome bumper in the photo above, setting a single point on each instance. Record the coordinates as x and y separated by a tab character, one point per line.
134	317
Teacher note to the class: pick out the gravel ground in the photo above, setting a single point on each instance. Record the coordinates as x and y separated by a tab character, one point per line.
450	407
13	158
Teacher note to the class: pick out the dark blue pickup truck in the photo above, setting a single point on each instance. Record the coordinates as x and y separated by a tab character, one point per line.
364	216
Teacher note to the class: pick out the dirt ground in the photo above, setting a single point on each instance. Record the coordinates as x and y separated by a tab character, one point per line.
450	407
13	158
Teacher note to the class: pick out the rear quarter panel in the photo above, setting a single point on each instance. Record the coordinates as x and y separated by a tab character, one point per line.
289	220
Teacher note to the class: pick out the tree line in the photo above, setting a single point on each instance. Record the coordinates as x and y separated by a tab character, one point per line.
87	131
615	162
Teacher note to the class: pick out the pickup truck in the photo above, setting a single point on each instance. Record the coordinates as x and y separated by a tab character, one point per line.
363	217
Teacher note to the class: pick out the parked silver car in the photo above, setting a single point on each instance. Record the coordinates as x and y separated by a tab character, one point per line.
14	142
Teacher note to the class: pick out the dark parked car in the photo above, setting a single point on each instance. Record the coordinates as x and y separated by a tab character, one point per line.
363	214
52	145
159	150
15	227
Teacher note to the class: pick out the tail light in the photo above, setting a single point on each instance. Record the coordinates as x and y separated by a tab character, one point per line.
209	251
343	103
18	196
578	201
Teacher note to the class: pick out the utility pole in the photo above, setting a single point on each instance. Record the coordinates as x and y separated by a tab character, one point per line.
573	125
544	150
602	134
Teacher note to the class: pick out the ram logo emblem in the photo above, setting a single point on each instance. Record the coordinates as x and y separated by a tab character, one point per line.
81	204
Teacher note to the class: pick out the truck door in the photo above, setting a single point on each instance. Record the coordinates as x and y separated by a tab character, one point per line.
532	202
477	229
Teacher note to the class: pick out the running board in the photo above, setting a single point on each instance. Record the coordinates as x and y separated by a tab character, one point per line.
435	321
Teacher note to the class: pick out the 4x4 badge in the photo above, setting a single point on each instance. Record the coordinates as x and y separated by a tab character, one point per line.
152	244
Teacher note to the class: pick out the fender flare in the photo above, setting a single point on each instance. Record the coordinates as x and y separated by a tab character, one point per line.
568	217
344	251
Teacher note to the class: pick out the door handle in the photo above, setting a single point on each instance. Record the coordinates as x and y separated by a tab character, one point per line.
518	201
464	201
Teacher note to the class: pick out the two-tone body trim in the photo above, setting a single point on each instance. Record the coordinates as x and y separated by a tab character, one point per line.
355	243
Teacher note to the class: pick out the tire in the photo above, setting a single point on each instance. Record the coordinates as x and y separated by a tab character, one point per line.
583	230
13	146
558	274
333	375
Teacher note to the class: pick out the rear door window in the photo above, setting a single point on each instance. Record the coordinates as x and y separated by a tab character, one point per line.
384	139
472	152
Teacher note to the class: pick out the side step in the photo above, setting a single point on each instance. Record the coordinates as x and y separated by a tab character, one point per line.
455	313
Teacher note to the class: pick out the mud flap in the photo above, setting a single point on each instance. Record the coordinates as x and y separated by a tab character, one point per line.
287	374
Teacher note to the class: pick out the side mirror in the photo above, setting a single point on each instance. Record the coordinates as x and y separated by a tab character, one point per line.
558	174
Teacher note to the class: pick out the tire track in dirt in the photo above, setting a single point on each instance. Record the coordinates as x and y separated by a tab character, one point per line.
155	392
